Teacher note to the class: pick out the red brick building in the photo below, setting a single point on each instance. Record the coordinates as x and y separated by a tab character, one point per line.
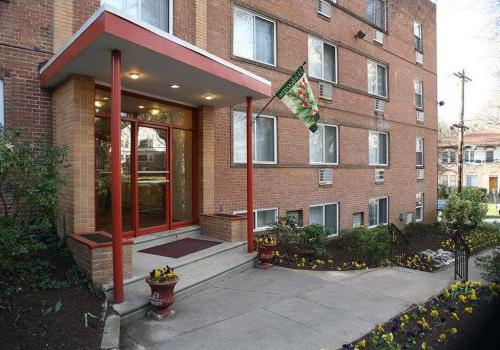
186	68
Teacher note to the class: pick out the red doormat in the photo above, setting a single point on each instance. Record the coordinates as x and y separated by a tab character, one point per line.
180	248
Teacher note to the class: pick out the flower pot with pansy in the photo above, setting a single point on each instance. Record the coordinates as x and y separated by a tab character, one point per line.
162	282
265	245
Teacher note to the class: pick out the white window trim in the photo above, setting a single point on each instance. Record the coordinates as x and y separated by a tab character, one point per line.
421	82
421	207
274	36
323	60
378	219
337	214
420	36
254	126
376	77
386	151
336	146
170	15
262	228
422	151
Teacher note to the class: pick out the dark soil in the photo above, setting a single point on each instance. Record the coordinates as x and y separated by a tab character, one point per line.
28	317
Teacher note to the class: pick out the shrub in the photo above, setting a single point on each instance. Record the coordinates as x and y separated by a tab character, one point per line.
490	266
465	208
285	230
313	238
372	244
476	240
29	178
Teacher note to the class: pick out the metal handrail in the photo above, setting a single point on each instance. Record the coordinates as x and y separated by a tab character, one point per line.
399	243
462	253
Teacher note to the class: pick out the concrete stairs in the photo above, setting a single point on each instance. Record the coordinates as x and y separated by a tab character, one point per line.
196	270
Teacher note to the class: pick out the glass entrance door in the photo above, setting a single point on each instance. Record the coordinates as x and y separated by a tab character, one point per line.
152	176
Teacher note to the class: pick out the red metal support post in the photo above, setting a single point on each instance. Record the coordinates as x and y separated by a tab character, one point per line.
116	187
249	175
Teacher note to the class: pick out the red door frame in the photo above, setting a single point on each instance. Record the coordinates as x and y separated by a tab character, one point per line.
135	123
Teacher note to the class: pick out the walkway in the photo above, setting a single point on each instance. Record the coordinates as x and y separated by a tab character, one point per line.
286	309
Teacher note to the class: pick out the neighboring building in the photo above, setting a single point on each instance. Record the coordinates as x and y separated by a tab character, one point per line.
481	161
188	72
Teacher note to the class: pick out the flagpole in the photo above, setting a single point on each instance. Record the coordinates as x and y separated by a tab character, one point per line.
274	96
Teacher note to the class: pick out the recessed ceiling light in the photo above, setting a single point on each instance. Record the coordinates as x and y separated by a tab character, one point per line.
141	107
98	103
105	98
209	97
174	86
155	111
134	75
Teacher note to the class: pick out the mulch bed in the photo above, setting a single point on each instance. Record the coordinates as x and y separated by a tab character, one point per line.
29	319
444	322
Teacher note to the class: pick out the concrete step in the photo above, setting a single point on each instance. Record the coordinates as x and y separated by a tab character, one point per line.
195	271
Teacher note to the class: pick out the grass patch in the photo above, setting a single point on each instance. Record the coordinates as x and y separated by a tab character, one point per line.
492	210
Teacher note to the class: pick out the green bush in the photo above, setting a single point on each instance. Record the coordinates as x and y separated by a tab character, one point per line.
285	230
468	207
372	244
490	266
30	179
419	229
313	239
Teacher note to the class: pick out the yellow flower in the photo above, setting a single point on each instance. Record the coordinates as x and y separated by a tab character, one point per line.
455	316
422	309
405	318
462	298
472	297
423	346
442	338
453	330
434	313
469	309
379	328
157	273
362	343
447	293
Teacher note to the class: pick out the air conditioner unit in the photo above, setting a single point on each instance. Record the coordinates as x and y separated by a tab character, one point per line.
325	8
325	176
407	218
420	116
419	58
378	36
420	174
379	105
325	91
379	175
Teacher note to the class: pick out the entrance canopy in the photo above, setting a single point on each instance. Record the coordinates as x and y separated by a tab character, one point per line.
166	66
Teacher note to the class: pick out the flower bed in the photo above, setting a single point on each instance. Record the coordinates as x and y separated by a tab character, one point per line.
477	240
446	321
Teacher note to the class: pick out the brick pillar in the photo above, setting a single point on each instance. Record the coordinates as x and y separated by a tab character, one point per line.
201	24
73	116
206	150
63	22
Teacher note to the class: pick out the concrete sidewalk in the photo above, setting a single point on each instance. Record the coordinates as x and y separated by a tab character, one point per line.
286	309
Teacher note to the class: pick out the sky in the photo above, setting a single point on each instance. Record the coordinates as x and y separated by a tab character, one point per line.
464	39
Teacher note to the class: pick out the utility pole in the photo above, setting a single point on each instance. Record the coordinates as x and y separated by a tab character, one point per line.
464	79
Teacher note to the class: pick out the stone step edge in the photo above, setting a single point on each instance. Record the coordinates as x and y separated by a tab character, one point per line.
106	288
165	234
136	313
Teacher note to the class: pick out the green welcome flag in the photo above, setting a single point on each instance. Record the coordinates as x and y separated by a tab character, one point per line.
297	94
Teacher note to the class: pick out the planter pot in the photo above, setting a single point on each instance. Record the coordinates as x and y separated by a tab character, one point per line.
162	297
265	255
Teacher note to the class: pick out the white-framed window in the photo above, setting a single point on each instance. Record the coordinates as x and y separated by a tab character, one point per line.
262	218
417	34
469	155
449	156
419	207
377	78
264	139
378	211
378	145
376	13
2	117
419	94
453	180
490	156
471	180
448	180
322	60
158	13
326	215
254	37
323	145
420	151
